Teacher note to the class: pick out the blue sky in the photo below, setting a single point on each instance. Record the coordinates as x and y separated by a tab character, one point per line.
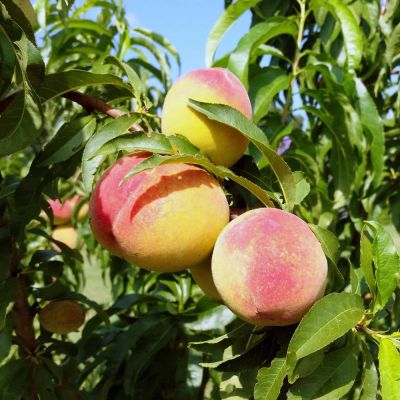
186	24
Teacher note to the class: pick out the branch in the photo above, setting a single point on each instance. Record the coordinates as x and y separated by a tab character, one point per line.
21	309
89	103
297	56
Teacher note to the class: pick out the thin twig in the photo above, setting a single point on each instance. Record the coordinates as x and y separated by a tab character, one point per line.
297	56
21	309
89	103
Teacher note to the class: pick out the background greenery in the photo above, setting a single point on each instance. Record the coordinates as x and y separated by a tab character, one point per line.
323	77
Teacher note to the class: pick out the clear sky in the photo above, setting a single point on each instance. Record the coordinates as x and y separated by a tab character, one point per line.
186	24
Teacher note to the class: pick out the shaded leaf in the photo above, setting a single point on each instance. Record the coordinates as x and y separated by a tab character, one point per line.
201	160
108	132
332	380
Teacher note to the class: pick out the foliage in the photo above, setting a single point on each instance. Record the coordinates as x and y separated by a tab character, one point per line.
323	77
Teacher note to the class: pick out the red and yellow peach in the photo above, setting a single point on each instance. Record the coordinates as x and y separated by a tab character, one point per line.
62	316
62	211
269	267
223	144
164	219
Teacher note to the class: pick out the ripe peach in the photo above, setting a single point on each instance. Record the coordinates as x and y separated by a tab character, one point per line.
62	316
62	212
66	235
269	267
203	277
163	219
224	145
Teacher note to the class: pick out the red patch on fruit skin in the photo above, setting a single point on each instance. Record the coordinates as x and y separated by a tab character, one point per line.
224	84
109	197
277	264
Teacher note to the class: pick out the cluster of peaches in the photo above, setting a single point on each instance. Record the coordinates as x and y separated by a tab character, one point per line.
64	315
266	265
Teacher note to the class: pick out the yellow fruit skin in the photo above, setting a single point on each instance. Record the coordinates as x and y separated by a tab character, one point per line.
62	316
203	277
67	235
221	143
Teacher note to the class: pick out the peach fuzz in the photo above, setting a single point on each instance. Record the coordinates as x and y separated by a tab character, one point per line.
62	316
203	277
224	145
164	219
269	267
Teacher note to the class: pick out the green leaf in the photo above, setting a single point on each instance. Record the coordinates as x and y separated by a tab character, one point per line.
389	369
237	385
152	142
159	56
230	15
328	319
139	88
330	246
302	186
259	34
8	294
264	87
21	122
128	339
372	123
386	262
67	141
352	34
341	128
62	82
201	160
214	318
144	354
108	132
233	118
332	380
162	41
366	261
369	380
83	25
15	371
270	380
307	365
393	46
8	62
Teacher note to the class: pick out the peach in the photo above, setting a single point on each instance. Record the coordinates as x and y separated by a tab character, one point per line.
66	235
62	316
224	145
203	277
269	267
164	219
62	212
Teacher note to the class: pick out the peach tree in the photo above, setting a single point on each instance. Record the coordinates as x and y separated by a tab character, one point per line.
80	89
